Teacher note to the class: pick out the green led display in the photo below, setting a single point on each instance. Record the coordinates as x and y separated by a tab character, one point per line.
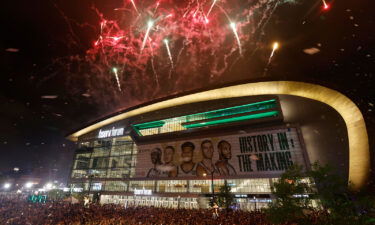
232	110
177	123
232	119
37	198
148	125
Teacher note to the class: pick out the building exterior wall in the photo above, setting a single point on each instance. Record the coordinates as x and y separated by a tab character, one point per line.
117	166
324	131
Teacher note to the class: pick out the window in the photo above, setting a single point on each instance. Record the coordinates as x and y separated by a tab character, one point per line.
82	162
250	185
115	186
172	186
114	163
79	173
84	144
200	186
146	184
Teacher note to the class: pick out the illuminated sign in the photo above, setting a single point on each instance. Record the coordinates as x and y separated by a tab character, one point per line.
111	133
301	196
97	186
240	196
261	200
142	192
37	198
77	189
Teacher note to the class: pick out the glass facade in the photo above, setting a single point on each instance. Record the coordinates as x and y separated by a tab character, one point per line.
149	193
108	166
255	186
111	158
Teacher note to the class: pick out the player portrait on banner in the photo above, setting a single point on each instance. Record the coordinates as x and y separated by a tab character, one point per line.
206	166
169	168
187	167
225	154
253	153
156	161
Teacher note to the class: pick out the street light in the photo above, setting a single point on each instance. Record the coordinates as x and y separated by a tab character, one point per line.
7	185
29	185
48	186
212	185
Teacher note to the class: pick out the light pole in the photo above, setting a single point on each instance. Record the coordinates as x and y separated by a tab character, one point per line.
212	185
178	202
90	180
255	203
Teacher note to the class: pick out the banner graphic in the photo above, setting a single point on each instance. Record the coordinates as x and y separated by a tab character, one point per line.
264	152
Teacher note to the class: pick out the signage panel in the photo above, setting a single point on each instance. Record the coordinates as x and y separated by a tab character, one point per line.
255	153
114	132
142	192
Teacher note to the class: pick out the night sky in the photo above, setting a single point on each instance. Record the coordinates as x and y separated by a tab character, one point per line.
50	87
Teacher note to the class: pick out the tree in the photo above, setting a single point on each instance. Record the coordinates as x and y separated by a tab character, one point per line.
291	203
297	189
225	197
56	195
78	195
341	203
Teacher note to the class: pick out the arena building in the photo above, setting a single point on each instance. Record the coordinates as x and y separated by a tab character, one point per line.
177	152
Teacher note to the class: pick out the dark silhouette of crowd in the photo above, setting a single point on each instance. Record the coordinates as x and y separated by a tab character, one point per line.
17	211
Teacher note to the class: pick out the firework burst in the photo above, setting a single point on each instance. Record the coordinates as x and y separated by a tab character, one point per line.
176	43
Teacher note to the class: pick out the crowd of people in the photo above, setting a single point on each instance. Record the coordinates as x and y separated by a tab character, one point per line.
63	213
18	211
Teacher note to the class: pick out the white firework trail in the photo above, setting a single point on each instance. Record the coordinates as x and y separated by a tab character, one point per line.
135	7
275	46
233	26
166	42
116	75
149	26
209	11
152	64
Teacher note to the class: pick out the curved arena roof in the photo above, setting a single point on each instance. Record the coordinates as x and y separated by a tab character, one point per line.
359	156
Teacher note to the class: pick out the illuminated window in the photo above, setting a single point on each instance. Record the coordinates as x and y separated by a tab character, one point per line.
172	186
109	158
115	186
148	185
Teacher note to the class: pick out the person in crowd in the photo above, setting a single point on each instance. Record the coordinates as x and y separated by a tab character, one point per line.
225	154
17	211
215	213
86	201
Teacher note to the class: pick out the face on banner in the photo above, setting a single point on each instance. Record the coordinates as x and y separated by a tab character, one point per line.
264	152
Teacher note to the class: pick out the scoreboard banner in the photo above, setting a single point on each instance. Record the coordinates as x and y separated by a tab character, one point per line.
254	153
